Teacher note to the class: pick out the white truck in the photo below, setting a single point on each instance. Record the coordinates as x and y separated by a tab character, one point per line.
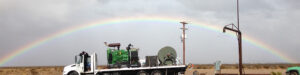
87	65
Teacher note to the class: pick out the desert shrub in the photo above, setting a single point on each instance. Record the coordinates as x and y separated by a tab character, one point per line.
279	73
276	73
236	67
202	74
33	72
195	72
282	67
266	67
205	67
272	67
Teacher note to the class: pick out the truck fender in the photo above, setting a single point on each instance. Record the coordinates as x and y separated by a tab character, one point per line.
73	71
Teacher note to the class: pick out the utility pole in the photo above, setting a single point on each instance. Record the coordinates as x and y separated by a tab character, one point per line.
183	39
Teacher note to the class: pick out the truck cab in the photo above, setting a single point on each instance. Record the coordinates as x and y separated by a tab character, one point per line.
84	64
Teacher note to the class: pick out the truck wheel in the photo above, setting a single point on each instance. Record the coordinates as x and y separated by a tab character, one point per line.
195	72
103	74
73	73
142	73
156	72
116	73
98	74
294	73
173	73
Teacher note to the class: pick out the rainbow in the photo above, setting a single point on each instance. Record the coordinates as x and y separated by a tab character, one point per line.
102	22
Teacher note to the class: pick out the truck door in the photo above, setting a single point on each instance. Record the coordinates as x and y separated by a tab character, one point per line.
79	63
87	65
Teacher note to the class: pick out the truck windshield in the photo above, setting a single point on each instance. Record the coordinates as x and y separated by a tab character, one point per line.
78	59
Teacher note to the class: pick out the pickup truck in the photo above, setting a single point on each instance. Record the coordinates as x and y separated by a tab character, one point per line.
293	71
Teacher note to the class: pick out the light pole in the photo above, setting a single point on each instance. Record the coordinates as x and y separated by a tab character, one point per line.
239	34
238	14
235	29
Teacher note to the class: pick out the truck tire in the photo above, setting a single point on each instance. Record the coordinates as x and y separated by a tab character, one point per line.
73	73
196	72
142	73
116	73
106	74
294	73
156	72
98	74
103	74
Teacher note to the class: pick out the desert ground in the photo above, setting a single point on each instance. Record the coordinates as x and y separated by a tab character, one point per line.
202	69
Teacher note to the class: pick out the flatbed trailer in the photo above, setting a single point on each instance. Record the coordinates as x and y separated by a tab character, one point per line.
163	70
79	69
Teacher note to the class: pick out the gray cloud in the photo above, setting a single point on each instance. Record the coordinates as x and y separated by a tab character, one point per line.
271	21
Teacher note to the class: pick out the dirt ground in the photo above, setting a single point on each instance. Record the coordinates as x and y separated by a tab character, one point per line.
235	71
279	69
55	70
250	69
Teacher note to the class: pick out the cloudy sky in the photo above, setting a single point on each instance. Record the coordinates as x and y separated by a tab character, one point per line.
273	22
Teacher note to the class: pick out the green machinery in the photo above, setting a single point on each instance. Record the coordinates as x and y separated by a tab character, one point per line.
118	57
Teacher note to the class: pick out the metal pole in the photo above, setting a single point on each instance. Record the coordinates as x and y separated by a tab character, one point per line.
238	14
240	47
239	39
183	40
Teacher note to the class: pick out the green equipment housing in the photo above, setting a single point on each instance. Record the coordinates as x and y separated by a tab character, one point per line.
118	58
